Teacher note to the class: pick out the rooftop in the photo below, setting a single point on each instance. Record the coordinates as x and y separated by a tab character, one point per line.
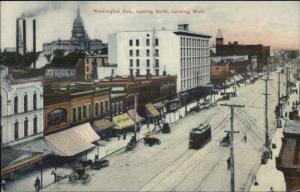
292	127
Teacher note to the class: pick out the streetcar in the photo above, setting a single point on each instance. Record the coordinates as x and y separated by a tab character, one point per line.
199	136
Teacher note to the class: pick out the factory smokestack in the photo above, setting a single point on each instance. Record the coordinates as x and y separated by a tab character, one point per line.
34	40
24	37
17	36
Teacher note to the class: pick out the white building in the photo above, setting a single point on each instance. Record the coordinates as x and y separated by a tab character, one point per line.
178	52
60	72
21	109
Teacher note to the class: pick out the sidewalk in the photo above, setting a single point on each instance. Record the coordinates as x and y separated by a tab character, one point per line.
268	176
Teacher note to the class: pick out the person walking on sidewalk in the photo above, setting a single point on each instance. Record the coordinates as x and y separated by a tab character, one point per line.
3	185
37	184
54	173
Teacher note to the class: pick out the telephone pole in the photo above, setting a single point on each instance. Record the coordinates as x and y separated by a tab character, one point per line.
266	111
278	88
286	82
231	143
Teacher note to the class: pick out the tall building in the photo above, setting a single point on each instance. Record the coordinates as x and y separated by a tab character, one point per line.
79	40
177	52
259	53
21	109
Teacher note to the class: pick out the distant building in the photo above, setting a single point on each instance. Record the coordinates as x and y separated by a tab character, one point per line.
60	72
21	109
95	67
177	52
256	53
79	40
288	160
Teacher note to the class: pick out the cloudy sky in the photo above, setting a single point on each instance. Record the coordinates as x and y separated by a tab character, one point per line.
276	24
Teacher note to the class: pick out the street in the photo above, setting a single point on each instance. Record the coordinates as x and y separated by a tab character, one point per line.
170	166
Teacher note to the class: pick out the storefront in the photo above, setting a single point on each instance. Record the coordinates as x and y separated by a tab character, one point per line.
104	128
123	124
153	116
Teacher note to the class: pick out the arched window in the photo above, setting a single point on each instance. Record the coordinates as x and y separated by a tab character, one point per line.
16	130
35	125
25	103
16	104
26	127
34	102
97	109
101	107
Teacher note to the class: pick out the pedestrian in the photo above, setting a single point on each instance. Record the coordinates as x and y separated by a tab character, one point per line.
271	189
228	163
271	153
54	173
37	184
245	138
3	185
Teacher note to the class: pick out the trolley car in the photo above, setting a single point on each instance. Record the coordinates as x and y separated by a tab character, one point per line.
200	136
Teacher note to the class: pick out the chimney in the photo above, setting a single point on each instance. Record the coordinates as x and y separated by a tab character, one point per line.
17	36
34	40
24	37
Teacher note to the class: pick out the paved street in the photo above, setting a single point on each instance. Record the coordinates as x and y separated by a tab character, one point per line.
171	166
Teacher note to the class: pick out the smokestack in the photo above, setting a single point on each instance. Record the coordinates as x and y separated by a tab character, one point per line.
24	37
17	36
34	40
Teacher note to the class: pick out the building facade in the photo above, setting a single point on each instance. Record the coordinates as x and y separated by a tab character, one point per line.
177	52
21	109
79	40
259	53
67	108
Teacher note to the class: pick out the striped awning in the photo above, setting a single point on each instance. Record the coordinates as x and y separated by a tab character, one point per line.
73	141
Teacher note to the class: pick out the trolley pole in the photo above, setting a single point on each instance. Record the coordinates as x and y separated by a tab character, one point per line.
266	112
135	108
232	144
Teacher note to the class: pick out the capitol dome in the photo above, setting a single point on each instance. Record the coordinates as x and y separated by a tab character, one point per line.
78	31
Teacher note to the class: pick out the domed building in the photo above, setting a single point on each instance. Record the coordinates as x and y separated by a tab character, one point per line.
79	40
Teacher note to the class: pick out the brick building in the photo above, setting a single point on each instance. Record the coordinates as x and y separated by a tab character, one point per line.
259	51
68	106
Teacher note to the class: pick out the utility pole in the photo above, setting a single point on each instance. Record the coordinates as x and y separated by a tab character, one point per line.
278	88
286	82
135	108
231	143
266	111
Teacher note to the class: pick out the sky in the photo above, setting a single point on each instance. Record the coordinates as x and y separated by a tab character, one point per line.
275	24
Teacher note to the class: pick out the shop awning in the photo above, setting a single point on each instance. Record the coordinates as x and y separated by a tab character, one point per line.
13	159
123	121
158	105
151	111
132	115
102	124
36	145
73	141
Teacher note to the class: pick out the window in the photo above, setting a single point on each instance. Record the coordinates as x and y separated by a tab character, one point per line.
97	109
148	71
147	42
26	127
137	53
148	62
130	42
16	130
57	116
79	113
130	52
35	125
87	68
137	72
137	62
131	62
147	52
156	52
0	105
74	114
106	106
113	108
16	104
87	60
84	112
137	42
25	103
34	102
156	63
157	72
101	107
156	42
131	72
